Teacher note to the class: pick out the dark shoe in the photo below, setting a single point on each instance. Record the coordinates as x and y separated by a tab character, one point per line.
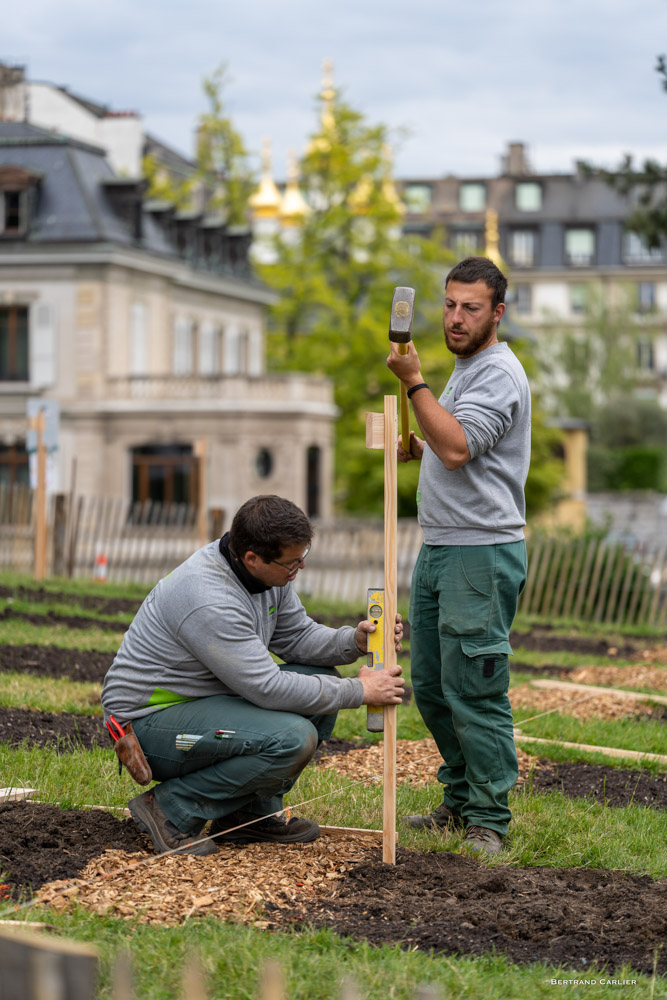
483	841
148	816
442	818
273	829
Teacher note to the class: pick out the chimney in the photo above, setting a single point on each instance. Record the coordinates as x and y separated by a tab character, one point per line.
13	105
515	162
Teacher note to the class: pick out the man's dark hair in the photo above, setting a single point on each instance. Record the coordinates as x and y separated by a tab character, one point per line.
474	269
266	525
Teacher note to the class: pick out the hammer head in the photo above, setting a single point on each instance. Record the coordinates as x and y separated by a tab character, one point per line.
402	310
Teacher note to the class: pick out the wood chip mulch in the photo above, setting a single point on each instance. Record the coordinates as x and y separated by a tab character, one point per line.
417	762
635	676
236	884
579	704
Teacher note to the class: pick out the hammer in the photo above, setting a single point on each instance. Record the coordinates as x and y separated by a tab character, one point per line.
400	332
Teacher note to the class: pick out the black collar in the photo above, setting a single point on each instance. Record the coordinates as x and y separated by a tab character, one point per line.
250	582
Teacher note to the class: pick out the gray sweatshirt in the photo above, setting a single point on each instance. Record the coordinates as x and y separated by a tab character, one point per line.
199	633
482	503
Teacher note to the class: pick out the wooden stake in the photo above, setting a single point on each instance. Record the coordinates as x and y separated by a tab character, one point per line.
202	512
390	608
38	424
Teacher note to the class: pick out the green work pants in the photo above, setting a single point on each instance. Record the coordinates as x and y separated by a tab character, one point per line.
245	757
462	605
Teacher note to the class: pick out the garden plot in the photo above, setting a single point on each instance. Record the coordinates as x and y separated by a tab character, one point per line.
556	896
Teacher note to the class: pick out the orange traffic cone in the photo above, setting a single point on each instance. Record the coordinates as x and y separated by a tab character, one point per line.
101	567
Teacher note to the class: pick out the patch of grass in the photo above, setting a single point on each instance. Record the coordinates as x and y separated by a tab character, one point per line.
19	690
645	736
566	659
121	620
575	627
22	633
315	963
71	780
77	587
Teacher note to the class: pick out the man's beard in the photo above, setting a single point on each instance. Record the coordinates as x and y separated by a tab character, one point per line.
475	341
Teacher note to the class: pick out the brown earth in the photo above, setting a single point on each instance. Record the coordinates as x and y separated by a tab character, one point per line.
446	902
103	604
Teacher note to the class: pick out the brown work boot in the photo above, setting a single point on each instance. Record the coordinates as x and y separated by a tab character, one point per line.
148	816
273	829
442	818
481	840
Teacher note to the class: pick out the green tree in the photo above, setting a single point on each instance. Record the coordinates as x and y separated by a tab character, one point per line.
336	283
600	384
222	173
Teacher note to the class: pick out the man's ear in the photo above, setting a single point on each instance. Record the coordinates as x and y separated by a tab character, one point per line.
499	312
251	559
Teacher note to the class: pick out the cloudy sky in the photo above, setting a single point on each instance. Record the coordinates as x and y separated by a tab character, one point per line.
571	78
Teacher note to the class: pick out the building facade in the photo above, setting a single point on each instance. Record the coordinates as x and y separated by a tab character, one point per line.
564	239
147	328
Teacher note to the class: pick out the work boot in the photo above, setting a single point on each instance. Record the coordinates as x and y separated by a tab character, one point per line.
442	818
481	840
148	816
273	829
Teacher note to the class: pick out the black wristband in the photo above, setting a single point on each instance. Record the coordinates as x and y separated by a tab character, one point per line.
415	388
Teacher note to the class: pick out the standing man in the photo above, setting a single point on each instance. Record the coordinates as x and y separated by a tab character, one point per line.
472	567
224	728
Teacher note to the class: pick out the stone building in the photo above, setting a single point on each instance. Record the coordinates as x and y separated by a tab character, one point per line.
564	239
147	328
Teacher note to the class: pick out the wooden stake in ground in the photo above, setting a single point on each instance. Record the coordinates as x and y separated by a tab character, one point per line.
202	515
38	424
381	432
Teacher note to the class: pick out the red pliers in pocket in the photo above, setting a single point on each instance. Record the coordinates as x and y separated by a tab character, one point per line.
115	729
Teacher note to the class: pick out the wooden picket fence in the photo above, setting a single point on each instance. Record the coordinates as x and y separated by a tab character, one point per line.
44	967
582	578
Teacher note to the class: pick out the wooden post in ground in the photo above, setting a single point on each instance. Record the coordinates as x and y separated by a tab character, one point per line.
390	609
382	432
202	509
38	424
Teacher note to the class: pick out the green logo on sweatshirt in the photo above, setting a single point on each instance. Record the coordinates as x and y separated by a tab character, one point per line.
271	610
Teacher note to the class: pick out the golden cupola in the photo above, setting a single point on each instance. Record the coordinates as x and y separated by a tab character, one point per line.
492	239
294	207
389	192
265	202
322	142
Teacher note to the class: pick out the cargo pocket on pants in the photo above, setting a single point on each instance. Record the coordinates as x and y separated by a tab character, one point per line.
486	667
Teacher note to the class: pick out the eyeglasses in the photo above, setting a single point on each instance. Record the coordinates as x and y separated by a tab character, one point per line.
290	567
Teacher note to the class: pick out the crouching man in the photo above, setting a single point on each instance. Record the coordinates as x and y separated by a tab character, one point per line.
225	730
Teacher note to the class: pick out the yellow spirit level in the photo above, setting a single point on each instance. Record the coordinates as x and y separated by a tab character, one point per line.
375	713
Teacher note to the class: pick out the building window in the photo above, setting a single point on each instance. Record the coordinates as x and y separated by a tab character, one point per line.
472	197
165	473
522	247
645	296
264	463
645	355
12	212
14	344
14	467
465	242
417	198
528	196
524	298
578	298
579	247
635	250
183	346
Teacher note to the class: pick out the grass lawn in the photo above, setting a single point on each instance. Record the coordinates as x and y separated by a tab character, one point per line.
548	830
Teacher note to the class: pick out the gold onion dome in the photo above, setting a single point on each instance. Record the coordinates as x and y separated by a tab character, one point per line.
322	142
491	249
389	192
359	198
265	202
294	208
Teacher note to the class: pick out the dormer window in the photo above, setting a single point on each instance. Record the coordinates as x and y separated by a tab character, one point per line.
17	192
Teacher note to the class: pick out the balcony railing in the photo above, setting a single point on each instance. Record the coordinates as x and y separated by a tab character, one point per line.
271	389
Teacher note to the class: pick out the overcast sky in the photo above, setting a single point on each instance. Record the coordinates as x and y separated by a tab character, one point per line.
571	78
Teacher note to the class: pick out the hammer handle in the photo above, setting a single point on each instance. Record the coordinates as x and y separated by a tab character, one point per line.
405	409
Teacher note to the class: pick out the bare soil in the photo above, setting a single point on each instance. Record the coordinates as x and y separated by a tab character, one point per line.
431	901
